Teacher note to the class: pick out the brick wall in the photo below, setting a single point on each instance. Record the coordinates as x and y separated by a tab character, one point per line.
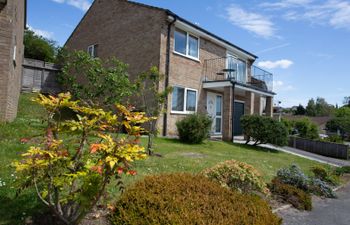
11	35
188	73
127	31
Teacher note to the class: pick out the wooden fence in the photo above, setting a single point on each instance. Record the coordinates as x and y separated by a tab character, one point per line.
319	147
39	76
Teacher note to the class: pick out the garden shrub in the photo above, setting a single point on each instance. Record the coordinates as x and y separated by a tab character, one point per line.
295	177
264	130
293	195
342	170
321	188
323	174
238	176
76	159
194	128
189	199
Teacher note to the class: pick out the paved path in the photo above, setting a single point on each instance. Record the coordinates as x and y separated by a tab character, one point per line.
325	211
304	154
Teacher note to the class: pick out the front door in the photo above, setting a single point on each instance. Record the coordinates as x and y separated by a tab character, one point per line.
214	109
238	113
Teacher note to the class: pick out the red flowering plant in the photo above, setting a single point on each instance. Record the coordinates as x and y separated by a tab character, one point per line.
79	158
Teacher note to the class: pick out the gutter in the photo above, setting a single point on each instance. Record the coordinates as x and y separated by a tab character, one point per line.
233	109
167	71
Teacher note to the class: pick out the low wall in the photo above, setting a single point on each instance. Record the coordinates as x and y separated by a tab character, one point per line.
319	147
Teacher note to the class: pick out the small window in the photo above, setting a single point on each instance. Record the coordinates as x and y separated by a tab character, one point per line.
191	98
180	42
186	44
178	99
184	100
92	51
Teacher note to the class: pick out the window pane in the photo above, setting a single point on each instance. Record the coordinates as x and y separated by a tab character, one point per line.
193	46
191	101
178	99
218	105
218	125
241	75
232	67
180	42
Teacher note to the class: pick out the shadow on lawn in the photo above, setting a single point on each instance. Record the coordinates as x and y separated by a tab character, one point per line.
16	210
255	148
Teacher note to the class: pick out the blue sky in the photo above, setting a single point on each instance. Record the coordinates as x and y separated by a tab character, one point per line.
304	43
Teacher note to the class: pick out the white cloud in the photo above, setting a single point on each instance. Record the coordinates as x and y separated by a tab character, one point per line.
43	33
283	63
273	48
83	5
334	13
281	86
253	22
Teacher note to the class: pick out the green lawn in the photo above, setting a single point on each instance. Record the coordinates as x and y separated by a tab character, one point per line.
175	157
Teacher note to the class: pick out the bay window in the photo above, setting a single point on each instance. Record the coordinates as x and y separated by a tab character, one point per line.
184	100
186	44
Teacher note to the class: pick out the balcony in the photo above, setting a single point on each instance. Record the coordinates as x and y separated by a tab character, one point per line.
232	69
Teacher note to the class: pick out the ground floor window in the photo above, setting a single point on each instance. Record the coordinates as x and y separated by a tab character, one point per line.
184	100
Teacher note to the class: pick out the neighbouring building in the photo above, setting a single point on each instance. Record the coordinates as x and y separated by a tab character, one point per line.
208	74
12	25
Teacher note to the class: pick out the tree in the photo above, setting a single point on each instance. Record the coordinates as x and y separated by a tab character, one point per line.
300	110
71	167
341	121
347	101
95	81
311	108
323	108
38	47
151	100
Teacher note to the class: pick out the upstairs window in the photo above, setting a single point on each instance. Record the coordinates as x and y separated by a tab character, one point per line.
186	44
184	100
92	51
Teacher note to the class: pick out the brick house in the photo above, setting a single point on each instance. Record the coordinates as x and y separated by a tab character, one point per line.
12	24
208	74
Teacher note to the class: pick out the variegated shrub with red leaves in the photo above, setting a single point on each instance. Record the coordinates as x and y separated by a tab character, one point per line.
79	158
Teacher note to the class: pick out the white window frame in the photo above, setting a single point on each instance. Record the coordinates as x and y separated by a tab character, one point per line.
93	50
187	44
185	101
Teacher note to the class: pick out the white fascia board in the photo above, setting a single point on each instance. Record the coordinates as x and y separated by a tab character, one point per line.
217	84
253	90
184	26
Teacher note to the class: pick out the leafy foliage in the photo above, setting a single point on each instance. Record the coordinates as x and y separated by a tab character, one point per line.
237	176
341	122
194	128
189	199
295	177
95	81
152	100
78	158
38	47
306	128
293	195
342	170
264	130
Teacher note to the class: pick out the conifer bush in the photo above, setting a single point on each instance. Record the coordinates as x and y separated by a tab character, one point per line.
189	199
238	176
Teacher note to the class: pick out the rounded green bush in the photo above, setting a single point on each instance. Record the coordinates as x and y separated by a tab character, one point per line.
189	199
237	175
194	128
